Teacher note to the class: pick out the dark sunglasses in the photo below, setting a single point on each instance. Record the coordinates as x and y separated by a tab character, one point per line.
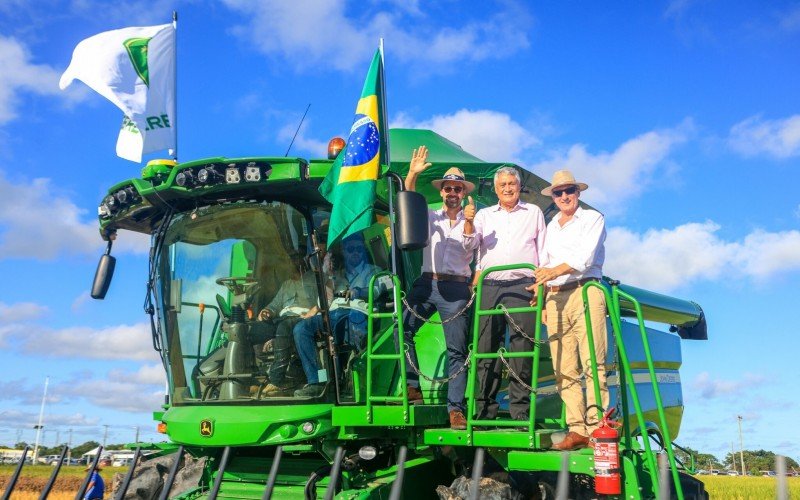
570	190
448	189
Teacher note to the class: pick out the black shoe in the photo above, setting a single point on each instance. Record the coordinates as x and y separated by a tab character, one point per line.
310	391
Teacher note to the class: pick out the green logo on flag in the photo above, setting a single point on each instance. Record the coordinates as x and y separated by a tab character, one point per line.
137	51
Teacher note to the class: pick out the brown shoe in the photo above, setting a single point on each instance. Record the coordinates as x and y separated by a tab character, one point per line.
457	420
573	441
414	394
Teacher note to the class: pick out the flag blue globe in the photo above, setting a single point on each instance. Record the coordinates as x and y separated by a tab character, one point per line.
363	143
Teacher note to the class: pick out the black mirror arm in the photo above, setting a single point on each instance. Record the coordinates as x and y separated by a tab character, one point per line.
396	177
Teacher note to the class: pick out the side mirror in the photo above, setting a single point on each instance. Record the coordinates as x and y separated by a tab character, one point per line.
412	221
103	275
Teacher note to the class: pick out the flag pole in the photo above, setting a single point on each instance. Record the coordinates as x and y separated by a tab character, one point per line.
175	83
385	126
385	117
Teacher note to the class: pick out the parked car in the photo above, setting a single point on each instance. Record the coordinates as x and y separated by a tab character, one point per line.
122	462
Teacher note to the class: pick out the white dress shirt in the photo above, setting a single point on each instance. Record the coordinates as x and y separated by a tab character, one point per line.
579	243
447	253
508	237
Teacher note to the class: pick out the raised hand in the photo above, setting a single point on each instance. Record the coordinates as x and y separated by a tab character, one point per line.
419	160
469	210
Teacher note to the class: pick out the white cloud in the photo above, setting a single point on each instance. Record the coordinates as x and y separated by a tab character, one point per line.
118	395
13	419
710	388
302	142
619	175
27	212
665	259
756	136
130	342
331	38
19	75
146	374
489	135
21	311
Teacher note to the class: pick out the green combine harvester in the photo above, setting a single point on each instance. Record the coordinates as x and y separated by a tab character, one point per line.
227	233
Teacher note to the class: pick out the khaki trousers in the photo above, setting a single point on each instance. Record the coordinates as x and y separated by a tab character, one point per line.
569	346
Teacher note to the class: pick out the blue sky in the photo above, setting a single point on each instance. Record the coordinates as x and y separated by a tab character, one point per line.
683	117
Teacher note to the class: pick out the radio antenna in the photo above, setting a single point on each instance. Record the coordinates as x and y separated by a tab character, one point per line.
298	130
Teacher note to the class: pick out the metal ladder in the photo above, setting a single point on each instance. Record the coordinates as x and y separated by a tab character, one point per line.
627	382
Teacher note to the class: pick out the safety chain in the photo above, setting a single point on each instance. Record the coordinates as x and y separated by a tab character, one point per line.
433	322
416	370
513	374
517	329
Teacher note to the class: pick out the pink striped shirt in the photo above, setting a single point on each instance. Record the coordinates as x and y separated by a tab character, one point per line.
508	237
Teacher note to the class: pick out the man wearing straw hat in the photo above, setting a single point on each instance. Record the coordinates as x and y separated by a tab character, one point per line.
573	255
95	490
444	285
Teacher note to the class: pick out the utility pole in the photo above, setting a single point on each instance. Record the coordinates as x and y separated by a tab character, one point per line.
40	426
69	447
137	434
105	436
741	445
58	437
733	458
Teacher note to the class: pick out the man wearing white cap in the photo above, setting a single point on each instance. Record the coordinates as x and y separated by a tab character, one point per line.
444	286
573	255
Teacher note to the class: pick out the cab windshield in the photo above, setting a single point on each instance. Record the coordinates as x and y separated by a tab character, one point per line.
235	282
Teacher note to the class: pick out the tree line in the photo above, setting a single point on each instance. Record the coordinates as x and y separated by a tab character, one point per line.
56	450
754	461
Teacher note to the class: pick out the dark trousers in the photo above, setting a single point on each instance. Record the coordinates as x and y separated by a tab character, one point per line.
448	298
492	336
279	329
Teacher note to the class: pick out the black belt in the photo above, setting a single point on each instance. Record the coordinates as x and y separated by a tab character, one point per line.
446	277
570	285
517	281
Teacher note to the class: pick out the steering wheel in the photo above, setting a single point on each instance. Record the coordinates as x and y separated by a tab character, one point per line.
240	285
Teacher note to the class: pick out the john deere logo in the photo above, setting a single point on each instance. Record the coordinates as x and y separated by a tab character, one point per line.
137	51
206	428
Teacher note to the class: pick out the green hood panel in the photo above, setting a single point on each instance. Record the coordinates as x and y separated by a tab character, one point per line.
245	425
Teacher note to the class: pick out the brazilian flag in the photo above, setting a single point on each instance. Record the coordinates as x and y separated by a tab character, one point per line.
350	184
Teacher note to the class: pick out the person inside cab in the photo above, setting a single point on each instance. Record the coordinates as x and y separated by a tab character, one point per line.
348	277
295	300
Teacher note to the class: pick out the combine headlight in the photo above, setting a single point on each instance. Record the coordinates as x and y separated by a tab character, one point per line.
367	452
232	174
308	427
111	203
126	195
252	173
207	175
185	178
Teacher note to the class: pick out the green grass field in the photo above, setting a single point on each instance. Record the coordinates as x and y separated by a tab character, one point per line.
735	487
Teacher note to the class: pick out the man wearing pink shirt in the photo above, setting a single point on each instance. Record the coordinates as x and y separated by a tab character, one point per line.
511	232
444	286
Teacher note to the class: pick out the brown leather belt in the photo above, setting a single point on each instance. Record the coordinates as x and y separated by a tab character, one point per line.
570	285
446	277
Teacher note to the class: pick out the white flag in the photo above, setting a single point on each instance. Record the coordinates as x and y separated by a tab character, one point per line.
135	69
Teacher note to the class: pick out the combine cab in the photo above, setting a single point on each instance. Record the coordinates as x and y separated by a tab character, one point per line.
227	233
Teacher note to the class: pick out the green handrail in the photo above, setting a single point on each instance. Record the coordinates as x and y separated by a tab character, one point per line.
476	355
397	356
616	323
617	293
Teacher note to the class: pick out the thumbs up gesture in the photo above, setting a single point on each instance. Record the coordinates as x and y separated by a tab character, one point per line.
469	210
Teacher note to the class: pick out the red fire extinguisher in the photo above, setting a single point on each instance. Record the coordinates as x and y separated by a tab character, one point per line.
607	479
